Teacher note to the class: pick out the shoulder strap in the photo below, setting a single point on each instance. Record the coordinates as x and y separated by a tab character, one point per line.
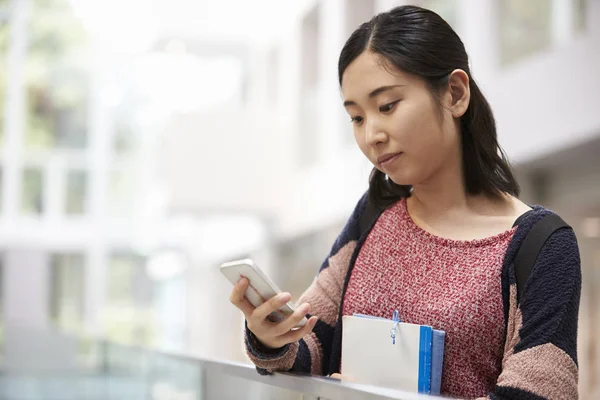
531	247
368	218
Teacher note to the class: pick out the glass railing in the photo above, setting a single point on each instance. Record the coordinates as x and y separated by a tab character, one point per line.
40	365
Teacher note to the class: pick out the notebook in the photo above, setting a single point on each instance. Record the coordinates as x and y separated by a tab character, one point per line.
391	354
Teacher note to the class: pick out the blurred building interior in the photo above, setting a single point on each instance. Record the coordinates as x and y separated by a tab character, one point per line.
142	143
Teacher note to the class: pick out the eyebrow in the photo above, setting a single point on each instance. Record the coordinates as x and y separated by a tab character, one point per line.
374	93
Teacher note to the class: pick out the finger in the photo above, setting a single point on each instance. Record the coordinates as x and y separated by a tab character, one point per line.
238	298
273	304
341	377
294	336
290	322
239	290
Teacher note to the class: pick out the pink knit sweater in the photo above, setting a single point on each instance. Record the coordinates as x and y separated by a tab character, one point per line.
451	285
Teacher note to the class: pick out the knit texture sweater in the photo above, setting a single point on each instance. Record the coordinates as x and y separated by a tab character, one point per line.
495	348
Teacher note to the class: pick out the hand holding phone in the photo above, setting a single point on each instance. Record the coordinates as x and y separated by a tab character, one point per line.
268	311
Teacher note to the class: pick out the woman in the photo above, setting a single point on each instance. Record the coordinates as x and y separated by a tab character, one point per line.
442	250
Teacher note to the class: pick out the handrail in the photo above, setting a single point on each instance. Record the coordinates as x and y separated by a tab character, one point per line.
118	368
322	387
313	385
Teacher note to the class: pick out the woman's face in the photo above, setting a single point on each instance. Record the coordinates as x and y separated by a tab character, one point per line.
397	123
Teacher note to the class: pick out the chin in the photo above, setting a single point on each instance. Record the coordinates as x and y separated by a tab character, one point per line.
401	179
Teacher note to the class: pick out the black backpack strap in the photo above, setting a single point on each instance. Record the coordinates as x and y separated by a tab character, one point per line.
531	247
368	218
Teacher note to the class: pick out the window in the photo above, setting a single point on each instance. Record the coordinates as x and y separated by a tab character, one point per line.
32	202
1	186
309	102
56	77
124	138
1	303
129	312
4	36
579	15
1	295
121	192
76	195
447	9
128	282
66	290
527	27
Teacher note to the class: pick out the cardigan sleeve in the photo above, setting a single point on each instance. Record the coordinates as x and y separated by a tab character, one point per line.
540	358
312	353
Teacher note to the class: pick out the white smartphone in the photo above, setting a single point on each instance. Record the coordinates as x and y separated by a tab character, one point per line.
261	288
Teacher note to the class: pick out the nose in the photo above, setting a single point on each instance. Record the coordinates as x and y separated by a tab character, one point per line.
374	134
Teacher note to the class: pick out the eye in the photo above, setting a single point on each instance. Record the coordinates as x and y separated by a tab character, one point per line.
356	120
388	107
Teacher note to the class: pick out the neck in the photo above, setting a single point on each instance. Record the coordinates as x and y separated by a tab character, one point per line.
444	196
443	192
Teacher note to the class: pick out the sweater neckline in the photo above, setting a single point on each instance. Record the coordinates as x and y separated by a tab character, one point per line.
486	241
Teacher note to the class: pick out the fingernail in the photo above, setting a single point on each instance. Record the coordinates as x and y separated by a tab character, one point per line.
284	296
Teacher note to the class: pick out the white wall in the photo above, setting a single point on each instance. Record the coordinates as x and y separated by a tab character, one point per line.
222	161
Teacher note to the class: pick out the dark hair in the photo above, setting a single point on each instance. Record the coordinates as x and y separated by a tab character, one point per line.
419	42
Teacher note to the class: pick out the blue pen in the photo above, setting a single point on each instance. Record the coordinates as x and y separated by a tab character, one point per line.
396	320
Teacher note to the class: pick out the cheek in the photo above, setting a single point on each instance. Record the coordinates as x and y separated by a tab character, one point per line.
418	127
406	128
360	141
419	132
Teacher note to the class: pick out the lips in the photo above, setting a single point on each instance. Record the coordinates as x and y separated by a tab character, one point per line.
387	158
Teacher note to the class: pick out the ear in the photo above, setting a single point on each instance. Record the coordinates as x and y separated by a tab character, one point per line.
460	94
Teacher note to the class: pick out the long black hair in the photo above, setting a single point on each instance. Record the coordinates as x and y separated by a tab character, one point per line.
419	42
